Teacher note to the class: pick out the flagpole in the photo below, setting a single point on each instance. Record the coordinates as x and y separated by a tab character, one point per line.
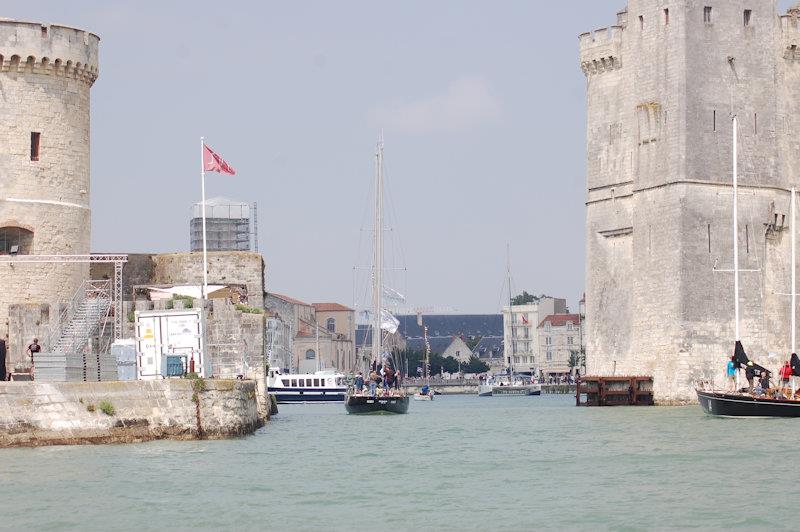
203	209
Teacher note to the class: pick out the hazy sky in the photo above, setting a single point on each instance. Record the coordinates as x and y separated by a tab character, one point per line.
482	104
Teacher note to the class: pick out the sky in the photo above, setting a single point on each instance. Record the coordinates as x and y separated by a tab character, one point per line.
481	104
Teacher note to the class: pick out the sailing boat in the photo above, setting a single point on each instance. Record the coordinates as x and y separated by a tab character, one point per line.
386	401
512	385
740	404
425	394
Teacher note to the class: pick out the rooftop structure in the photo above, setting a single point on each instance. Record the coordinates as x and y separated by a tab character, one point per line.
227	225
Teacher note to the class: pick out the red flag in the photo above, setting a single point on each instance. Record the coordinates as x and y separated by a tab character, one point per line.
214	163
524	320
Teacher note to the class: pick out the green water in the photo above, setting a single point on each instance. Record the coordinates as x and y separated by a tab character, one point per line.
458	463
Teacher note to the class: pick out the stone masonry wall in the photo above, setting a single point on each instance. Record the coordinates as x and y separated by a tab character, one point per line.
662	87
33	414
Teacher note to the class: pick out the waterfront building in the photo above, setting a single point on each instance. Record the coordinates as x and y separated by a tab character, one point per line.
520	334
559	336
227	225
314	345
46	73
662	86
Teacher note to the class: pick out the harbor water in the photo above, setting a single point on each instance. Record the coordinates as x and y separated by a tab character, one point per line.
457	463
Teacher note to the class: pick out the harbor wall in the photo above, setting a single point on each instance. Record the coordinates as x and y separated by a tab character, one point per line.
34	414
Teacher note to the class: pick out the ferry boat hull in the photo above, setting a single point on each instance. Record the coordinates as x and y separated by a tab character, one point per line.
735	405
485	390
365	404
516	390
305	395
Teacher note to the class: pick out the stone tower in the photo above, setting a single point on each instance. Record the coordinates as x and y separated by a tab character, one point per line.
663	85
46	72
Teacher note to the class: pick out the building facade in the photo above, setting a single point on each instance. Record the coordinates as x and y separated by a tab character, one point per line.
663	85
559	336
46	73
520	335
314	346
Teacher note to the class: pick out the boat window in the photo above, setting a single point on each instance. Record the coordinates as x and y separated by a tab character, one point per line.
338	381
294	383
316	382
285	382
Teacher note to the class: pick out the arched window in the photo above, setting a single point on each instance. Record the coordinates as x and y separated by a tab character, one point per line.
310	354
15	240
331	325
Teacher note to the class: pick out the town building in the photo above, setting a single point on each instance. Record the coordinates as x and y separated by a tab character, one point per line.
227	225
321	339
559	337
663	85
520	335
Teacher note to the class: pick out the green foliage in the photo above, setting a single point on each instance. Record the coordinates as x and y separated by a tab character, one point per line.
198	387
107	408
90	408
525	298
437	362
475	365
131	316
577	359
249	310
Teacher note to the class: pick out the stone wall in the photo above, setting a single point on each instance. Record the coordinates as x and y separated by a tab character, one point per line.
33	414
662	87
46	72
224	267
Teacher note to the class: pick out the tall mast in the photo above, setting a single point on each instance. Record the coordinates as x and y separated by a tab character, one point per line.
510	313
735	229
794	272
377	261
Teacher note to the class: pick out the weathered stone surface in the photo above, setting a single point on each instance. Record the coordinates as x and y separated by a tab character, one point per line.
662	88
33	414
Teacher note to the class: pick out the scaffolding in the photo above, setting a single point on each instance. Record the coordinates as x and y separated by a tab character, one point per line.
227	226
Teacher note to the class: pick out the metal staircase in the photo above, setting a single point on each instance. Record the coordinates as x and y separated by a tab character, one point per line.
85	316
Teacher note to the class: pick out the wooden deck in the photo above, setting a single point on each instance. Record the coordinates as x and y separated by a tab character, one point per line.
615	391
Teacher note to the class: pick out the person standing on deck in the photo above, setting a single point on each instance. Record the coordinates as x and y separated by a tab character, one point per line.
731	372
786	375
359	382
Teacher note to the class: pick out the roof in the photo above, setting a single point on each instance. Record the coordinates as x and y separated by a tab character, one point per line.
449	325
560	320
439	344
331	307
288	299
489	347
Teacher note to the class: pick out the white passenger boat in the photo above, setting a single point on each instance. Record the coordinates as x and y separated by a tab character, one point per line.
320	387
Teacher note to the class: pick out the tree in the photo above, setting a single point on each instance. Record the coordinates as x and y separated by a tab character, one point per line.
475	365
577	359
524	299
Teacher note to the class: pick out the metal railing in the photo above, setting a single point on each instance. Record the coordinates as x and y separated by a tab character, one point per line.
87	312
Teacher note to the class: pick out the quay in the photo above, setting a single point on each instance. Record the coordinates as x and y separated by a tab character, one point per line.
64	413
470	387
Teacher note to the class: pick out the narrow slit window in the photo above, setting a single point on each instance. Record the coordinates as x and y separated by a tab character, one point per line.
35	138
666	17
714	118
641	22
707	14
748	14
755	123
709	238
747	238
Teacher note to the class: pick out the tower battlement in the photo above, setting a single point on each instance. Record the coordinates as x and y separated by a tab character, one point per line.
790	33
601	50
50	49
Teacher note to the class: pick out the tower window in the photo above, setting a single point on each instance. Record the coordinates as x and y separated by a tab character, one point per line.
666	17
330	324
15	240
707	14
641	22
714	119
748	13
709	238
35	137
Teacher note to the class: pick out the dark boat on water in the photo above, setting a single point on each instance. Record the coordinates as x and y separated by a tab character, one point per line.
745	405
365	404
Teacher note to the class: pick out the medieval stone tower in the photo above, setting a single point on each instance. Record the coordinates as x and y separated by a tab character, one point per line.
663	85
46	72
